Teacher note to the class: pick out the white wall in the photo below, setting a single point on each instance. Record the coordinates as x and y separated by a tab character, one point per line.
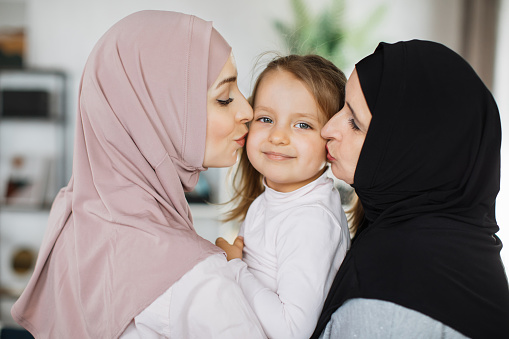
501	93
12	14
435	20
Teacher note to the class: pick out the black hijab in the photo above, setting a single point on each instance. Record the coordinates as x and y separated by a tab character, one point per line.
427	177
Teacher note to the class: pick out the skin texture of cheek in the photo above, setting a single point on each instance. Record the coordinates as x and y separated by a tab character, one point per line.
225	149
216	148
314	151
342	174
253	147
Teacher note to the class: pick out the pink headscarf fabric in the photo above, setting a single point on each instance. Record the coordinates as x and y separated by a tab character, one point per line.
121	233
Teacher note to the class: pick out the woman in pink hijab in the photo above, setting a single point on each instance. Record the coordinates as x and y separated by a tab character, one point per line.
158	104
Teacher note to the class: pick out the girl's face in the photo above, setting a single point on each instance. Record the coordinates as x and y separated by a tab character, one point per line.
347	130
284	142
227	115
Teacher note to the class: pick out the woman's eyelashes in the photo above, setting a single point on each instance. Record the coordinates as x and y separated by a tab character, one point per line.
225	102
352	123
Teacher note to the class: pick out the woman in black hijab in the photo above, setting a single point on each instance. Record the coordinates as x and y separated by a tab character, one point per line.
419	140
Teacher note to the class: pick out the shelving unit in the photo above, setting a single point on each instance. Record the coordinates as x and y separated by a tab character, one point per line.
33	151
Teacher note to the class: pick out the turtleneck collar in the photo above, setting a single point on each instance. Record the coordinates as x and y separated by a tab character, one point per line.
285	197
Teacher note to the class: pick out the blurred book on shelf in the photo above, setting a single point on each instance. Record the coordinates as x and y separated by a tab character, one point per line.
24	180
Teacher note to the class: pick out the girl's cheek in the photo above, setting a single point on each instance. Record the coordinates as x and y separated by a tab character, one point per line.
251	141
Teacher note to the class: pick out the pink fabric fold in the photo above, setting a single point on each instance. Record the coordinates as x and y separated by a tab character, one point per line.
121	232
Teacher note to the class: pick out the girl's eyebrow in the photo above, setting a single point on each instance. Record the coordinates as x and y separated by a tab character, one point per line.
263	108
226	81
308	115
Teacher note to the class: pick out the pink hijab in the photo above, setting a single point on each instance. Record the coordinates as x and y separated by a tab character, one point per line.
121	233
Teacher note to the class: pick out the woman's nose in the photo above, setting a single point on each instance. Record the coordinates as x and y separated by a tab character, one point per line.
244	110
330	130
325	133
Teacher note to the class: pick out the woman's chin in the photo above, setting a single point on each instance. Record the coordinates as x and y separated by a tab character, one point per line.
341	174
227	161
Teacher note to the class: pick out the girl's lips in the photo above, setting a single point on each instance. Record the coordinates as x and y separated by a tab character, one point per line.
277	156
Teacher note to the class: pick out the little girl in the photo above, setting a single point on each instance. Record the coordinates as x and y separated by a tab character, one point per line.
295	233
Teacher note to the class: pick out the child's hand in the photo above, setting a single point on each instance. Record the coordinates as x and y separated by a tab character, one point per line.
232	251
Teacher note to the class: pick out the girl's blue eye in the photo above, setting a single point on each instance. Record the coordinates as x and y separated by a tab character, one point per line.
303	125
354	126
265	120
225	102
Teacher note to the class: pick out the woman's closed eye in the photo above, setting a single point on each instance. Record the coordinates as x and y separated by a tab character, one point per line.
352	123
225	102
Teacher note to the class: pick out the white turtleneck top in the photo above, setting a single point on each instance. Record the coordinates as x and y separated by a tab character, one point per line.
294	244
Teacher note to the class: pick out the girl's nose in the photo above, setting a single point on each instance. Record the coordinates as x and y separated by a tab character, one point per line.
278	136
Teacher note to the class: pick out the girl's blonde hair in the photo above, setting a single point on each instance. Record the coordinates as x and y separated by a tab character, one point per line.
355	215
327	84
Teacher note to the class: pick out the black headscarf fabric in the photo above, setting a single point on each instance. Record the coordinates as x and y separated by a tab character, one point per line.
427	177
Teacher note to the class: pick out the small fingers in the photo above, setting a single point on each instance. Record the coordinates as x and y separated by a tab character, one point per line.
220	241
239	242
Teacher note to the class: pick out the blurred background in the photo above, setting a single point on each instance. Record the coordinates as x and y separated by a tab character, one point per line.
44	45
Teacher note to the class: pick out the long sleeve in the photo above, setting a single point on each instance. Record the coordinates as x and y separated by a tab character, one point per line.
309	247
205	303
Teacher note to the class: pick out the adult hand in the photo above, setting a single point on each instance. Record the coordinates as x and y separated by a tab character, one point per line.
232	251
